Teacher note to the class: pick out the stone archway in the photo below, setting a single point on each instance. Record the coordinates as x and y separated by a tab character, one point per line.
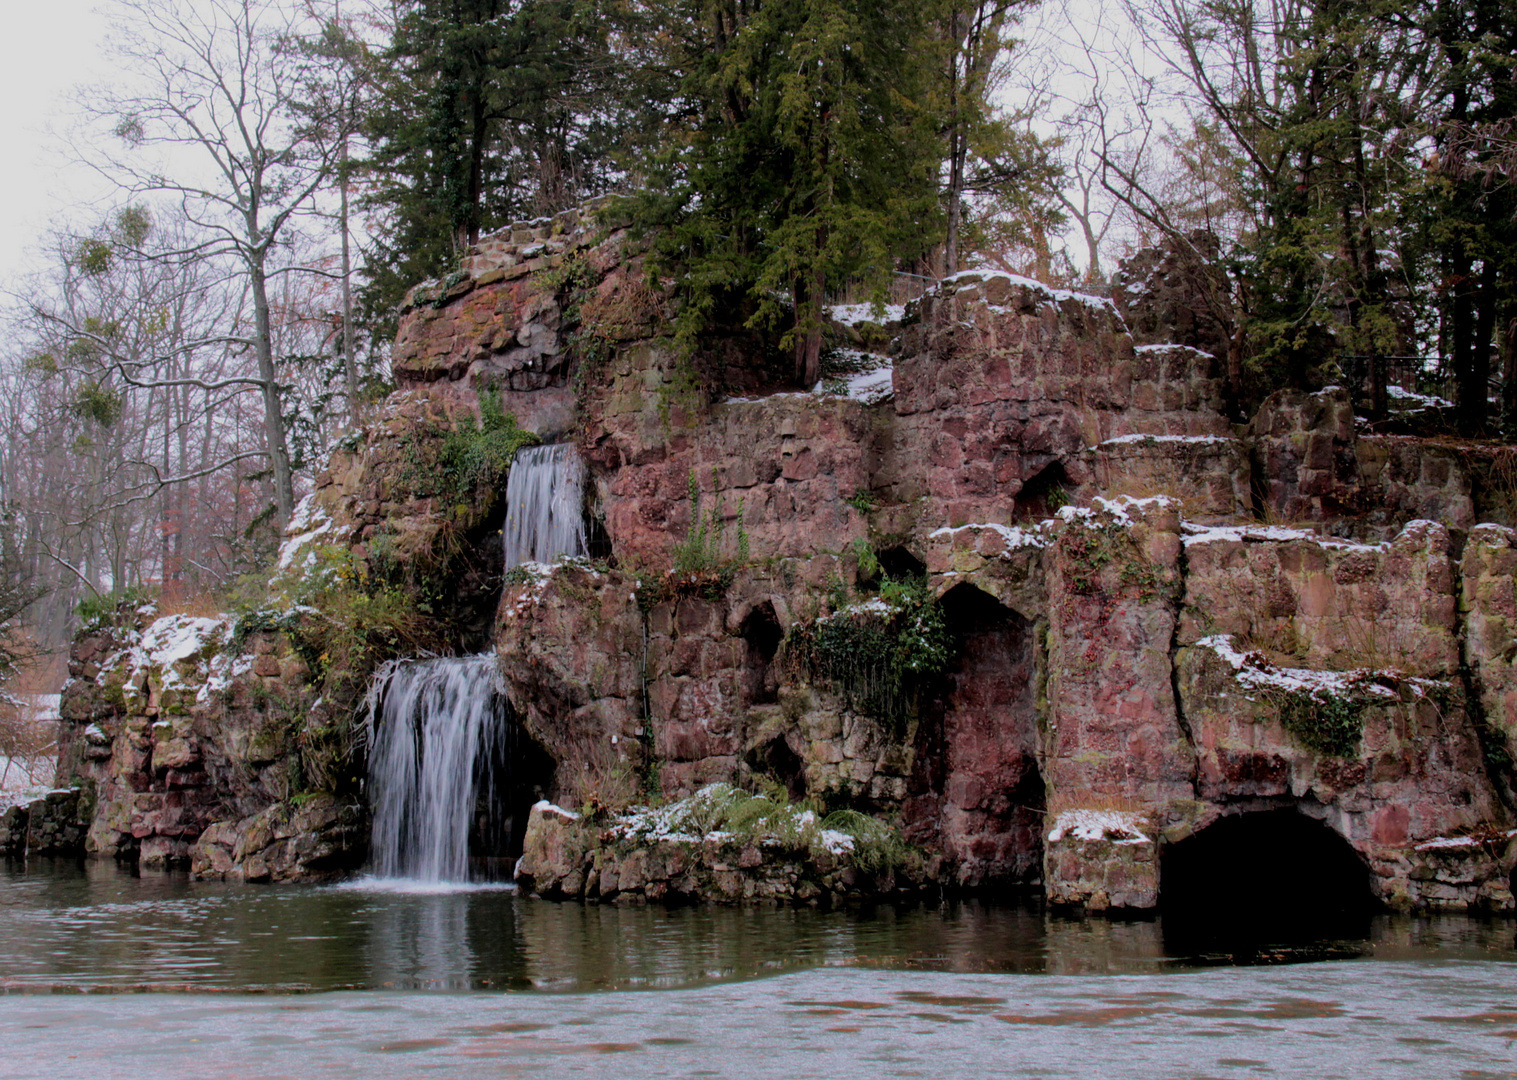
1271	877
976	792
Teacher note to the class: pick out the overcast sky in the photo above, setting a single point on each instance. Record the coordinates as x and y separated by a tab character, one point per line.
47	47
51	48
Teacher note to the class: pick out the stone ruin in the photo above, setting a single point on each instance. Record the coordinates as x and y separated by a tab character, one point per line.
1162	620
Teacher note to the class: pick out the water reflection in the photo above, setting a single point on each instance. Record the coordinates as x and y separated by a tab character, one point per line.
93	925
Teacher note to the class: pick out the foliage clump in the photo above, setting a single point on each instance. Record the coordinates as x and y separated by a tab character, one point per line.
468	463
1322	721
879	654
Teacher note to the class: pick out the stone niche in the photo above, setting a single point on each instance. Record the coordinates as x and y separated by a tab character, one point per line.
976	789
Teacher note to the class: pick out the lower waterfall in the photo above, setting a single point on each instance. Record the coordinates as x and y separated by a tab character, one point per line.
545	515
440	744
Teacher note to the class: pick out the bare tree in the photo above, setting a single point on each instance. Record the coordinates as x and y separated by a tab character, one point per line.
217	91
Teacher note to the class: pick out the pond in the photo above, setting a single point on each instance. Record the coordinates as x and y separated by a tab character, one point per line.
334	981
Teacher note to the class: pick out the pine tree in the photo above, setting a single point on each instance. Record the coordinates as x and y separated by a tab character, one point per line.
486	111
801	150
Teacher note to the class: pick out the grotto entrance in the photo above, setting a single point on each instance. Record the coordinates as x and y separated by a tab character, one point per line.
1263	885
451	774
977	793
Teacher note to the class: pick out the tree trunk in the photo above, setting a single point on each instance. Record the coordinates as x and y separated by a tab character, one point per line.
349	366
273	418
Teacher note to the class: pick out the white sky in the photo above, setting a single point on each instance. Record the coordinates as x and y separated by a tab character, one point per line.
47	47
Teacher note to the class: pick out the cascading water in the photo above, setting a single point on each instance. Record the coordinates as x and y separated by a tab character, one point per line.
436	747
544	513
443	741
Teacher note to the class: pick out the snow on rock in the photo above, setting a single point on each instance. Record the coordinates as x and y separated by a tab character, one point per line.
1122	826
1166	347
1253	671
1446	843
1210	534
1116	508
543	806
1048	292
1126	440
308	524
1014	535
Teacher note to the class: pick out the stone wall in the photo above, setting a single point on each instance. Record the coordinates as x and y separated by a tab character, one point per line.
187	741
1134	624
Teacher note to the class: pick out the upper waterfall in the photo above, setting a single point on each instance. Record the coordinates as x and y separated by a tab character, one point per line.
544	513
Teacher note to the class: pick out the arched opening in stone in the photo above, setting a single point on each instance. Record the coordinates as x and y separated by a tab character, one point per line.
1262	879
781	764
761	634
515	773
899	564
1042	495
976	793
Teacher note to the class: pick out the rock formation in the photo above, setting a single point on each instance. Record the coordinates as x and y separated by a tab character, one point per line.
1154	619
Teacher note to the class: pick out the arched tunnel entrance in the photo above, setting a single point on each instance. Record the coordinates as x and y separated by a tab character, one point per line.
1262	879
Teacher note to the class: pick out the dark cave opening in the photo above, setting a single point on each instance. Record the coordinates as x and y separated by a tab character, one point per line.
511	773
976	791
761	633
1043	494
1257	880
899	564
781	764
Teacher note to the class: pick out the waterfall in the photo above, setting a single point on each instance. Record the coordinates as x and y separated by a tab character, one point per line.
434	746
544	513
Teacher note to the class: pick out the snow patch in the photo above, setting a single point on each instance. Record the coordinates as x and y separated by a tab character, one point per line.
854	314
1417	401
1122	826
1048	292
1117	509
308	524
1015	536
1138	437
1254	672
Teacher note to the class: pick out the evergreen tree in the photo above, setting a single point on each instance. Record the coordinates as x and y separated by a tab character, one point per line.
801	148
486	111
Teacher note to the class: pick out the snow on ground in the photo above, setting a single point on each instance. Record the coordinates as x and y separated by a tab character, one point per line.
1122	826
853	314
869	386
1417	401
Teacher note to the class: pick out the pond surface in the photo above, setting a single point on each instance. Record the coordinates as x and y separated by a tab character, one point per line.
68	925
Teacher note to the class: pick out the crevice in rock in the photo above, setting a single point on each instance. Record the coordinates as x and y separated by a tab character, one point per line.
781	764
761	634
899	564
1499	769
517	774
